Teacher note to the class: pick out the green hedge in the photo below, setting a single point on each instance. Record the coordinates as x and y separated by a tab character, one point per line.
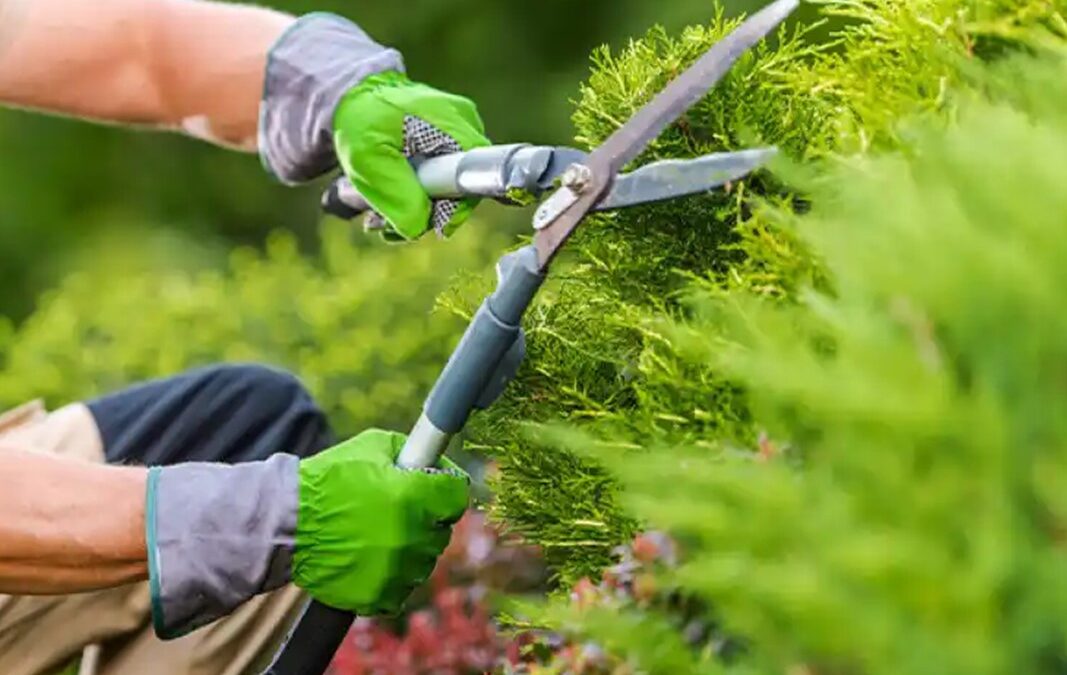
356	324
905	510
599	359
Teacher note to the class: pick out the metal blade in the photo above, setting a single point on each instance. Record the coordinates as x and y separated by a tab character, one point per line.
680	177
629	140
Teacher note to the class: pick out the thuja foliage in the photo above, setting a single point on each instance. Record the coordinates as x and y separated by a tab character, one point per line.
354	323
903	511
598	357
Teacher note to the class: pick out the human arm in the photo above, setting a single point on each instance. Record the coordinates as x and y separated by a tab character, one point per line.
346	525
68	526
307	93
187	65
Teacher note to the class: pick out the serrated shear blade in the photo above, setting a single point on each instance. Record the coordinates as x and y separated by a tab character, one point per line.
672	178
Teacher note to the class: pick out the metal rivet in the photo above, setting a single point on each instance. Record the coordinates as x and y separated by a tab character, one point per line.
577	177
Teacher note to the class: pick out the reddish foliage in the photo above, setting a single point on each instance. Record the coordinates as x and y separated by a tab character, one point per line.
453	637
451	630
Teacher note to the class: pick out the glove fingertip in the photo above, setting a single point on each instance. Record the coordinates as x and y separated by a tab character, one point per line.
463	211
415	220
445	492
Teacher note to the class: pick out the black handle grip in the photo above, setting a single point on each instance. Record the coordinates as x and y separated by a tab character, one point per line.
341	200
310	645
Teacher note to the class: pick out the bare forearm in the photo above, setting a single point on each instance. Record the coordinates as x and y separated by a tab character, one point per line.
181	64
68	526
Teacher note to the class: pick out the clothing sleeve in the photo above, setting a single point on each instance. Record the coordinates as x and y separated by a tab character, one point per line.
309	69
217	535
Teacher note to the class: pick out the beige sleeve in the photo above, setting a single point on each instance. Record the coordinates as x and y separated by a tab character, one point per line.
40	634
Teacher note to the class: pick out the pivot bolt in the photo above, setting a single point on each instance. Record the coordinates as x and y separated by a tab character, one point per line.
577	177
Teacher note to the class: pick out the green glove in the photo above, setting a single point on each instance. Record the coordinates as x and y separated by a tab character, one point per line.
382	122
346	525
368	532
332	95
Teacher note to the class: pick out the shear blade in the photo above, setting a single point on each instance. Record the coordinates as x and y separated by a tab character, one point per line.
560	215
672	178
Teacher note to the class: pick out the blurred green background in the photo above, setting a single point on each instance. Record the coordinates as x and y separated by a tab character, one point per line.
148	201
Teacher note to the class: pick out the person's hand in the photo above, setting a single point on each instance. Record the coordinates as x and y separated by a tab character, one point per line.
333	97
347	525
368	532
379	125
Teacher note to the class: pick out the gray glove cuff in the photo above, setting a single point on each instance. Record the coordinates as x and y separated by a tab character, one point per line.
309	69
217	535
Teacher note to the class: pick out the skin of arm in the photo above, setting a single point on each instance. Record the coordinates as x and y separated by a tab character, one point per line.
68	526
188	65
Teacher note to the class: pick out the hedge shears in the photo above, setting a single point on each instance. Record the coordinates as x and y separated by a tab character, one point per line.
577	183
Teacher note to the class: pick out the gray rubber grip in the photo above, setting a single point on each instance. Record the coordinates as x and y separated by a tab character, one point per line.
490	335
437	175
490	172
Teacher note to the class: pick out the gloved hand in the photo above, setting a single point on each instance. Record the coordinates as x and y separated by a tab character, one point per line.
348	526
368	532
334	96
387	119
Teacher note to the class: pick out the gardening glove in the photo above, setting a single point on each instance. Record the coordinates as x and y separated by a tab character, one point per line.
346	525
333	96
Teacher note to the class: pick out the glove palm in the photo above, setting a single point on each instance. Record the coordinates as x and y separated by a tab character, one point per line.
368	532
